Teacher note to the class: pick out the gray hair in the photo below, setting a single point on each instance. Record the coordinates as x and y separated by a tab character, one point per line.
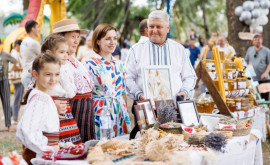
159	14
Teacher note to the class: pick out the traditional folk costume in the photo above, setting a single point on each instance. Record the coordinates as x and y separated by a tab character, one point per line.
81	104
65	90
108	90
38	128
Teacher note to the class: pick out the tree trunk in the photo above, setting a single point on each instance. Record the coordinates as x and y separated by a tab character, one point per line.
99	12
266	33
234	27
206	30
25	4
126	23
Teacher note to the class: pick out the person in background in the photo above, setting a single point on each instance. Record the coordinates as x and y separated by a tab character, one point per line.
143	31
30	49
228	50
5	59
206	52
259	57
18	86
194	52
117	52
201	41
124	52
214	36
109	78
86	51
38	129
192	34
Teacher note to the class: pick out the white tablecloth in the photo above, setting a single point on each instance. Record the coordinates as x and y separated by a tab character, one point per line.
239	151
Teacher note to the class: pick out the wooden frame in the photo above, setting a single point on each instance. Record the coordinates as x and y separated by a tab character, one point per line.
203	75
188	111
157	83
150	114
140	116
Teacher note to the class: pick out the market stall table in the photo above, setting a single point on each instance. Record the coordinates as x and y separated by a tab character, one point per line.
244	150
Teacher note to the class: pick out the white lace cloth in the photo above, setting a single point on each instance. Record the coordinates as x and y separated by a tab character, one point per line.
239	150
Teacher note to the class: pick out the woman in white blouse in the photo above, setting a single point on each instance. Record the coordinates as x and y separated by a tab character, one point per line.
81	104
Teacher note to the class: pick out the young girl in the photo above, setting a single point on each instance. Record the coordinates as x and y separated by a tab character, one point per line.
56	45
38	128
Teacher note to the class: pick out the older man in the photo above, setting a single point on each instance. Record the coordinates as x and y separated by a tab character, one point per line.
228	50
259	57
159	50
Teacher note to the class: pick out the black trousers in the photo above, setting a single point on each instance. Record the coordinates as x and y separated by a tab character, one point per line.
134	131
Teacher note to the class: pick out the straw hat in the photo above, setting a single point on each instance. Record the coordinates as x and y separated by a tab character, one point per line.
67	25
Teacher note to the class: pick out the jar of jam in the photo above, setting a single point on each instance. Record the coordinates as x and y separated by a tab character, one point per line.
241	83
237	104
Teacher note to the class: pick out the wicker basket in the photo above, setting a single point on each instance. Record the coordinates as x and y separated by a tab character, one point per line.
177	129
238	132
227	134
198	134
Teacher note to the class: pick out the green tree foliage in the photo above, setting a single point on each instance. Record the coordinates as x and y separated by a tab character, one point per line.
90	13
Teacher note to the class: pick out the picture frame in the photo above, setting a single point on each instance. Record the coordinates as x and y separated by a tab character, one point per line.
150	114
159	102
140	116
188	112
157	83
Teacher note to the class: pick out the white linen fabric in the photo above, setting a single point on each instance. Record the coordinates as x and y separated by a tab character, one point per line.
40	115
170	53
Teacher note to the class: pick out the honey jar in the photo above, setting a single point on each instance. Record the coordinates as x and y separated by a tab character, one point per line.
210	64
241	83
229	65
245	102
232	85
241	74
200	106
231	105
209	106
237	104
226	84
229	73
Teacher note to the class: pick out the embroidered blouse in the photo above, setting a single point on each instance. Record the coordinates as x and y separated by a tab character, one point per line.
81	77
40	115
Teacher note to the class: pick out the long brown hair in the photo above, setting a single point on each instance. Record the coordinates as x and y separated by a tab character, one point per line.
38	64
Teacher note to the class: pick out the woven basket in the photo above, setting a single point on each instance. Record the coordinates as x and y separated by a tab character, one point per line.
198	134
227	134
176	130
238	132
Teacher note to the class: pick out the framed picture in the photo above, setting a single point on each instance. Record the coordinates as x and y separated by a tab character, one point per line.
149	111
188	112
159	102
157	83
139	114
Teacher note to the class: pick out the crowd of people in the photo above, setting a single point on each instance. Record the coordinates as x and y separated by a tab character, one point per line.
65	94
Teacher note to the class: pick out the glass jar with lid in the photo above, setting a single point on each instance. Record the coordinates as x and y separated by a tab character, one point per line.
231	105
232	85
237	104
241	83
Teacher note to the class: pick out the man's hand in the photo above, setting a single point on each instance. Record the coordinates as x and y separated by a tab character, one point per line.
264	76
142	97
61	107
182	94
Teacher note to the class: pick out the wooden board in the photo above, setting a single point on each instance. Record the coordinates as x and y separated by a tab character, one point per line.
204	76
